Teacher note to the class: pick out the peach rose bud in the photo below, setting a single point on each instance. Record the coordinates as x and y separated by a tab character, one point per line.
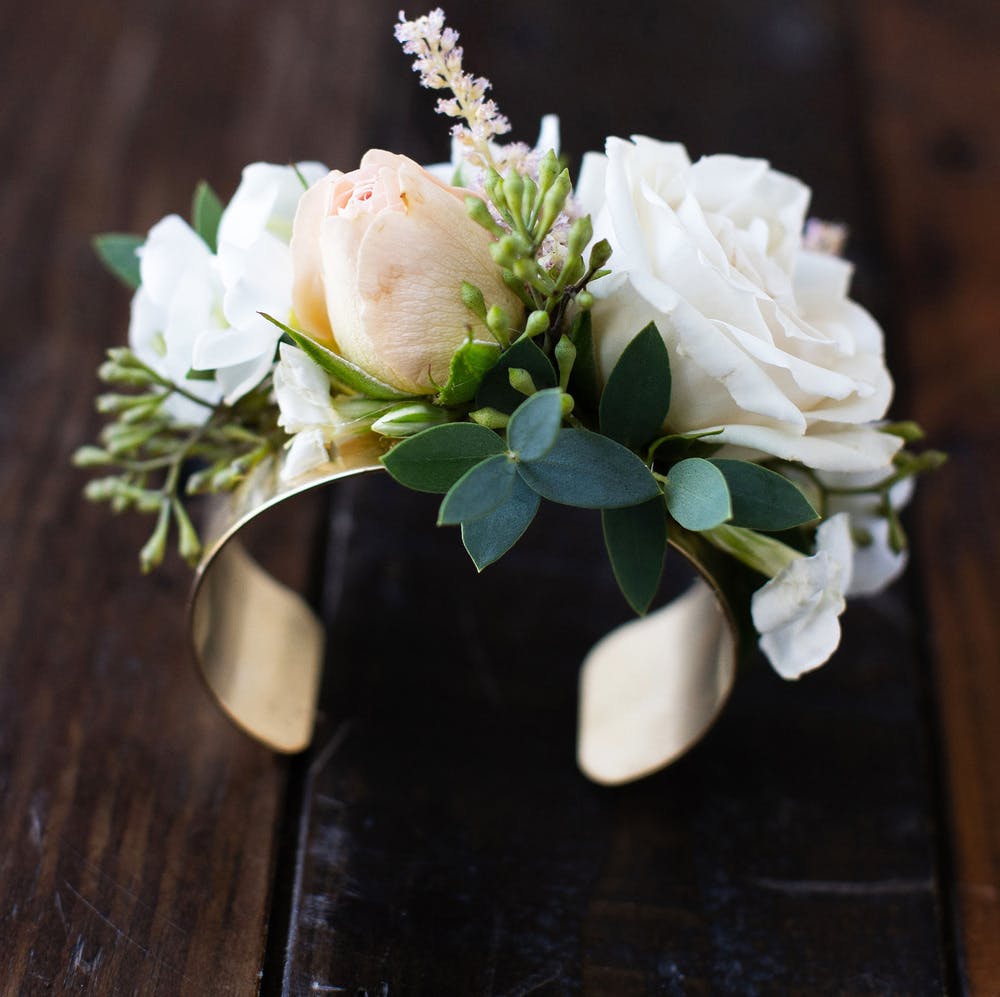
378	260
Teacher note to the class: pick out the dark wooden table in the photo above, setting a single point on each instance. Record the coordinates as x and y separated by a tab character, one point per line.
840	835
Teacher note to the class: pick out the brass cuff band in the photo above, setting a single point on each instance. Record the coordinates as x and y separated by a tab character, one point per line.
648	690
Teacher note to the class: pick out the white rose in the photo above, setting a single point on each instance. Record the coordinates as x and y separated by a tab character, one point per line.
797	613
763	340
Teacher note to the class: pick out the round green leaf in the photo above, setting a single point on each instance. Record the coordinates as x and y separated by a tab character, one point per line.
432	461
763	499
496	391
637	396
534	426
479	491
488	538
636	539
590	471
697	494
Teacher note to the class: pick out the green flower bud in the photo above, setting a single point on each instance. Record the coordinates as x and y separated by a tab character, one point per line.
585	300
91	457
910	431
565	353
498	322
115	373
548	170
491	418
408	420
513	193
101	489
600	254
480	214
554	202
188	544
472	298
580	233
521	380
151	555
538	323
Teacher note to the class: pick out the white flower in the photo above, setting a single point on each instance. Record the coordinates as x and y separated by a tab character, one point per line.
256	270
764	342
315	422
302	391
178	300
876	564
797	612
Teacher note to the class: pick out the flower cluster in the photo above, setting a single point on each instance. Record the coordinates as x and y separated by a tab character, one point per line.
669	342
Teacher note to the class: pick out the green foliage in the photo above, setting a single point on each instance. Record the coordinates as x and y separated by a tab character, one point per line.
432	461
479	491
534	426
496	391
762	499
346	374
146	449
488	538
206	213
637	396
117	251
697	494
590	471
636	539
469	365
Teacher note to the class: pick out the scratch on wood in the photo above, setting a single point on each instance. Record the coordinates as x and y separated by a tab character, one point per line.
59	908
820	887
120	933
534	983
80	961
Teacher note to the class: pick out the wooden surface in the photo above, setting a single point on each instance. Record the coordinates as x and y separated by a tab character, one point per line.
837	835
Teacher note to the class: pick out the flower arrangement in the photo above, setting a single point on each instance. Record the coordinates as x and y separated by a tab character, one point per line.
662	340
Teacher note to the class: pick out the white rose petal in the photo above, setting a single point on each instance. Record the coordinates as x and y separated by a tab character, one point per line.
797	612
764	344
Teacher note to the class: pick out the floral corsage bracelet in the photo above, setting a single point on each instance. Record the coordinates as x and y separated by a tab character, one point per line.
667	342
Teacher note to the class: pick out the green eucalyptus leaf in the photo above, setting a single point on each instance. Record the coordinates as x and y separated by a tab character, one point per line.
117	251
636	538
584	382
479	491
636	398
590	471
488	538
469	364
697	494
206	213
345	373
534	426
496	391
763	499
432	461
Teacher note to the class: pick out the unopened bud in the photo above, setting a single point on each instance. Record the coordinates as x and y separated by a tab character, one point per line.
521	380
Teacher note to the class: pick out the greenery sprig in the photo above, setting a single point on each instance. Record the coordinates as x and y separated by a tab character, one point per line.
148	451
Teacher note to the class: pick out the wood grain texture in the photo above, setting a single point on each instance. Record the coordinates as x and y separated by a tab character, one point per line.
438	839
933	81
138	828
